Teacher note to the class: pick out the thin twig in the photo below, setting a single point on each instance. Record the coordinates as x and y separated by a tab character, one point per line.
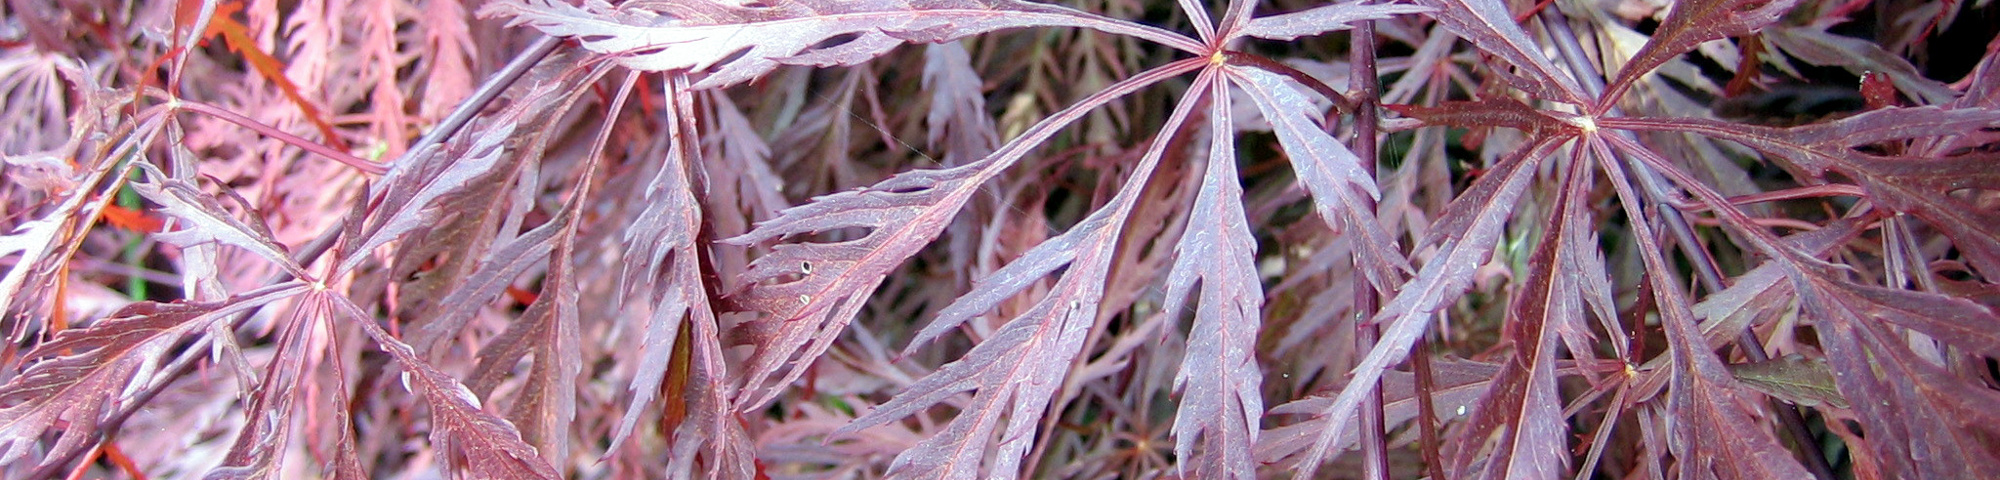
358	163
1367	97
1427	429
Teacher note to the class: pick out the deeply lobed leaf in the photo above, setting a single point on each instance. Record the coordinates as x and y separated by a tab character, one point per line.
473	442
86	373
1328	169
1016	368
1219	379
1690	23
1908	185
1487	24
737	43
1466	236
1715	435
681	336
1322	19
810	291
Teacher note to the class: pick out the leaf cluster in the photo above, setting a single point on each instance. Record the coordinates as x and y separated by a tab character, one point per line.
537	239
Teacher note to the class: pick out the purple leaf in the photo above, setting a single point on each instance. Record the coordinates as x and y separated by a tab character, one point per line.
959	124
418	191
1922	421
1327	169
1764	291
1969	226
545	405
34	240
1949	319
1860	57
737	43
957	118
1911	186
492	276
738	141
668	275
1524	399
1219	379
1938	174
411	193
85	373
1459	385
1488	26
903	213
1818	147
1197	13
1982	85
1466	234
810	291
1690	23
1323	19
473	443
260	445
1713	432
205	223
1022	365
1491	112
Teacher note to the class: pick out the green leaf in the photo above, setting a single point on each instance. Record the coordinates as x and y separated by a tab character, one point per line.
1794	378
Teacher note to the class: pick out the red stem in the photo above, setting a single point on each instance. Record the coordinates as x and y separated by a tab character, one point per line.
1367	97
358	163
